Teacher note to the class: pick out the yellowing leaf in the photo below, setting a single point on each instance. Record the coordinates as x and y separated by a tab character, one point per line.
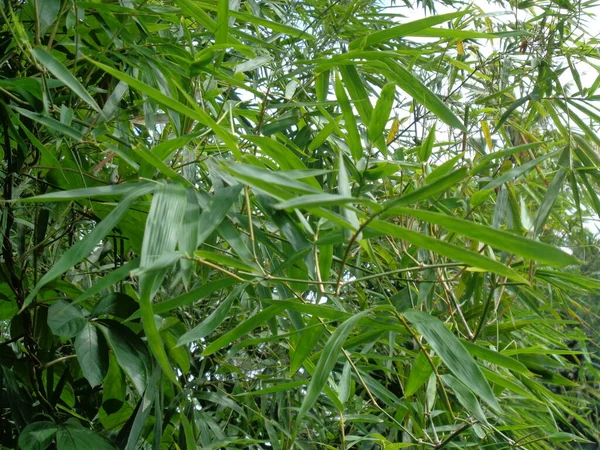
485	128
393	130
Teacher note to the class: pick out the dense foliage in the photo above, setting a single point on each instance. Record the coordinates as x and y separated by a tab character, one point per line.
298	224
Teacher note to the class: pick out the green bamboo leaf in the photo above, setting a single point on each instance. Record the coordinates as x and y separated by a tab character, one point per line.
453	34
149	157
195	113
222	31
318	200
188	237
84	247
277	388
209	324
242	329
482	162
329	356
518	171
381	113
278	184
419	374
113	190
436	187
307	341
465	397
353	137
345	191
527	248
427	147
189	297
108	280
453	354
421	94
445	249
160	237
406	29
495	357
63	74
548	201
252	18
51	123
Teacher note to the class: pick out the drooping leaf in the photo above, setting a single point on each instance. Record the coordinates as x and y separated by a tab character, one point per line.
453	354
327	361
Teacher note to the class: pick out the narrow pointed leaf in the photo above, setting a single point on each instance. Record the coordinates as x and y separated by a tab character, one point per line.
453	354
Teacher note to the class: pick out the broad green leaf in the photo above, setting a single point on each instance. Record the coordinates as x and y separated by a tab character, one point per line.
47	11
65	319
73	436
445	249
92	354
527	248
453	354
327	361
37	435
63	74
130	351
115	304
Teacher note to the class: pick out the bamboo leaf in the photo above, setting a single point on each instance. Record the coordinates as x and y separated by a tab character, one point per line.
64	75
509	242
381	113
453	354
243	329
445	249
327	361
